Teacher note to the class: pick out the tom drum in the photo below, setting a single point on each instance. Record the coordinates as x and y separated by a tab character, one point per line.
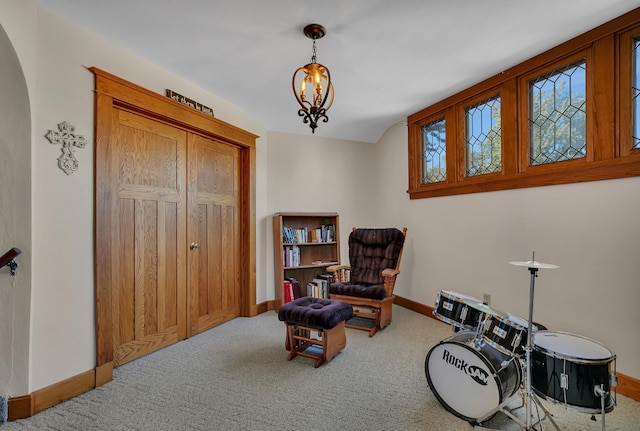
452	307
509	335
567	368
468	380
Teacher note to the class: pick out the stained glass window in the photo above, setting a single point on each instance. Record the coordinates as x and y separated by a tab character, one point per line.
434	152
557	115
483	137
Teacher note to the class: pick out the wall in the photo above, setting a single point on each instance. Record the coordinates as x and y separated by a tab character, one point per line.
464	243
308	173
15	220
61	337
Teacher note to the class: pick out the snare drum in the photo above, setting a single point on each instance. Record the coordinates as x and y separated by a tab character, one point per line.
452	308
509	335
567	368
471	381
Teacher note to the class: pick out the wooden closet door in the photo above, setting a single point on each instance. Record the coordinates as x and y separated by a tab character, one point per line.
148	213
213	232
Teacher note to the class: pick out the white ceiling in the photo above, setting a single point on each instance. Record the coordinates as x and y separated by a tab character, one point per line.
388	58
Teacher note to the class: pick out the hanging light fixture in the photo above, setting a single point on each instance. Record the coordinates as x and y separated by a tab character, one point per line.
312	84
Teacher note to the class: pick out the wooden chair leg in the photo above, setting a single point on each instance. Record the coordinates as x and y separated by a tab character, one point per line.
331	341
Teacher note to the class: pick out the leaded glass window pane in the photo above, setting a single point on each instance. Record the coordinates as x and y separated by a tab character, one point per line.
434	152
557	115
483	139
636	92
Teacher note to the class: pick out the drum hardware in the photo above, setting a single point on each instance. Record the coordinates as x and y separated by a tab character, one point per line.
533	267
602	394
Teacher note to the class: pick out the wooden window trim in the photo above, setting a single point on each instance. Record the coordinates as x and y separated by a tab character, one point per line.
608	154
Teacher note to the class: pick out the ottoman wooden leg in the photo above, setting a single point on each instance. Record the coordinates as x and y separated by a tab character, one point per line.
334	340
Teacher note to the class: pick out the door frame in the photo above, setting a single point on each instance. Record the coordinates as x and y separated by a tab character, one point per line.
113	92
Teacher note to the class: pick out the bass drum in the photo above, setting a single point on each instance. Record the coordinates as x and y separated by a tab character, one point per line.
471	381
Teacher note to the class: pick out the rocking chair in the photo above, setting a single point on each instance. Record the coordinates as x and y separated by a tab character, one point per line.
367	284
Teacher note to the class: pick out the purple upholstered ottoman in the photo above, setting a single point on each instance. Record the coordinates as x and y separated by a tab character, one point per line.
324	316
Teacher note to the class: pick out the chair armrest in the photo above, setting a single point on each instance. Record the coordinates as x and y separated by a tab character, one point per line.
390	272
334	268
341	273
389	277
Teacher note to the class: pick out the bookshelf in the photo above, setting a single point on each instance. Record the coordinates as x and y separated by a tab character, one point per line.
300	255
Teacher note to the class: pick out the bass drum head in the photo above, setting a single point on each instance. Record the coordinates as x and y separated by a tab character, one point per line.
462	380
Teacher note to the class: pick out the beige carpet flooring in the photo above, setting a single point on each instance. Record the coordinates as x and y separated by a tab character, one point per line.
237	377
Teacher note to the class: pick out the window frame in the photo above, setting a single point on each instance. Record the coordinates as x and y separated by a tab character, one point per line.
524	115
609	119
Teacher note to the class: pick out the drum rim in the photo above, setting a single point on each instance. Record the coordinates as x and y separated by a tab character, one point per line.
578	359
448	293
484	360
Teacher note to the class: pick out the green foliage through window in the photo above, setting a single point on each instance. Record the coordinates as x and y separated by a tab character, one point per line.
557	115
434	152
483	139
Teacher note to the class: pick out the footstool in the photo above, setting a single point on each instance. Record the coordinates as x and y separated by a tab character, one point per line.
324	316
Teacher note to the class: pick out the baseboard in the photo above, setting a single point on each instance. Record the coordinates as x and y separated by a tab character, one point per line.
25	406
266	306
21	407
627	385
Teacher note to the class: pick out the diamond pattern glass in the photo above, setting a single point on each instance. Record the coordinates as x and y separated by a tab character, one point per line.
557	115
635	88
434	152
483	139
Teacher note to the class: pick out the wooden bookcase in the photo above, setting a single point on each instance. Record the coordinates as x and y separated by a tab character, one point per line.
314	257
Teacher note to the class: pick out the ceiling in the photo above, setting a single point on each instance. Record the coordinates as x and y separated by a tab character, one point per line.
388	59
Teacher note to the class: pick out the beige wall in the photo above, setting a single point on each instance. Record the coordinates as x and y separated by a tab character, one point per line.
458	243
15	220
464	243
61	329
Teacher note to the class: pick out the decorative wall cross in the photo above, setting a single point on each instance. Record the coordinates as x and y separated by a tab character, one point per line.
67	161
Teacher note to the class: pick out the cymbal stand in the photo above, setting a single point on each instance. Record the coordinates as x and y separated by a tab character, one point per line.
529	399
528	391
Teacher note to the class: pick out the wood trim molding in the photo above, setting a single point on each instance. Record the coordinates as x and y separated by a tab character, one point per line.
22	407
132	95
627	385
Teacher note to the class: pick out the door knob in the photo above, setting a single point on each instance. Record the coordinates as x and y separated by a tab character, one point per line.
194	246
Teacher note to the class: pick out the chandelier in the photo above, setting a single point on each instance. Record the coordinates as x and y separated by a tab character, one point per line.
312	84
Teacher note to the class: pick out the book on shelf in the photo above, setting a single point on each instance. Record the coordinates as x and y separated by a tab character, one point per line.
286	285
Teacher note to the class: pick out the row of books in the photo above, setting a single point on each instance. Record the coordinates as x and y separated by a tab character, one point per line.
323	233
291	256
318	287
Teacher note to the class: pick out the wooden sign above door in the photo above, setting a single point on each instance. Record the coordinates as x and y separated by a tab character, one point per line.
186	101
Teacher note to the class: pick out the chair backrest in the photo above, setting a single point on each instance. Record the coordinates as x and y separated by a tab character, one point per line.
371	251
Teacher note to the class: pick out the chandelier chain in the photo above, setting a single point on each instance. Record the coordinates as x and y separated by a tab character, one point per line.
313	54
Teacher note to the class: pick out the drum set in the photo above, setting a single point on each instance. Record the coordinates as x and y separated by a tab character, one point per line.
493	357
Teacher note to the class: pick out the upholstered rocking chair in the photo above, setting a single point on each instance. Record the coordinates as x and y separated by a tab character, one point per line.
367	284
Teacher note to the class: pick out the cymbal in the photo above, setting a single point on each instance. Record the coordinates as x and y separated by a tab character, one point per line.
484	308
534	264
